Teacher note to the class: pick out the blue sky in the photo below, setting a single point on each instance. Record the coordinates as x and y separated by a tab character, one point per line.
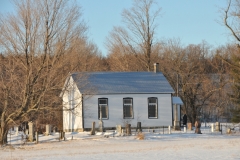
191	21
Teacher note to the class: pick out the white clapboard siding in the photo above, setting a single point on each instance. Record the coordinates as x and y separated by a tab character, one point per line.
140	109
72	108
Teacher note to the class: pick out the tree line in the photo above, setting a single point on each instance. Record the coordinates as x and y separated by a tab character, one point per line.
46	40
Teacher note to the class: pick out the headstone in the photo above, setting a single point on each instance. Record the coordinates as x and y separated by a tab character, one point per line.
48	129
139	128
229	131
30	132
93	129
197	127
169	129
217	128
128	129
101	128
119	129
189	126
212	127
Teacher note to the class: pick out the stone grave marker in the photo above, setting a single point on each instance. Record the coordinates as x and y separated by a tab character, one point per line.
93	129
30	132
197	127
48	129
119	129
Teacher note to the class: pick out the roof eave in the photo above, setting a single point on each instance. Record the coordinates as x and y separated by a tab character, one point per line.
130	93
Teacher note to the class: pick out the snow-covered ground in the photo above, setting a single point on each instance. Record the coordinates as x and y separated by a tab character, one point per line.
177	145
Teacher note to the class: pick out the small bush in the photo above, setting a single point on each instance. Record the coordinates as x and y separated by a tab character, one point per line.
141	136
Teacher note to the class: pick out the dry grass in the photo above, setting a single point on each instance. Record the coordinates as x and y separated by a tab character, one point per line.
141	136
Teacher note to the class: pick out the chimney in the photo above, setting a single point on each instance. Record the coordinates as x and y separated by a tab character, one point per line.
156	67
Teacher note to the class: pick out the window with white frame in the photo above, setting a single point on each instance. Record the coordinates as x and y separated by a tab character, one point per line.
152	107
103	108
127	108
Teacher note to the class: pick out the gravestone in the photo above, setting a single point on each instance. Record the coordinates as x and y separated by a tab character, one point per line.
93	129
139	128
128	129
184	129
189	126
48	129
212	127
169	129
217	128
229	131
101	127
119	129
197	127
30	132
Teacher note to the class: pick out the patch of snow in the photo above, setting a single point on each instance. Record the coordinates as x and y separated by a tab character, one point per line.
156	145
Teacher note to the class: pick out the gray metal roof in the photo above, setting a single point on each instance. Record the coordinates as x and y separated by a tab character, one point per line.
177	100
122	82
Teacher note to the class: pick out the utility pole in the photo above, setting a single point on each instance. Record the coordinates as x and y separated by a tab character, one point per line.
177	84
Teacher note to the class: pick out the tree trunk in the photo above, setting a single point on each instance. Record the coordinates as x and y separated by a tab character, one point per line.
194	117
3	135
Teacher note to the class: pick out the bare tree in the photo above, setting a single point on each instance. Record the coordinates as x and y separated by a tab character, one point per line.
232	22
219	104
87	57
138	36
191	67
35	43
123	62
231	18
